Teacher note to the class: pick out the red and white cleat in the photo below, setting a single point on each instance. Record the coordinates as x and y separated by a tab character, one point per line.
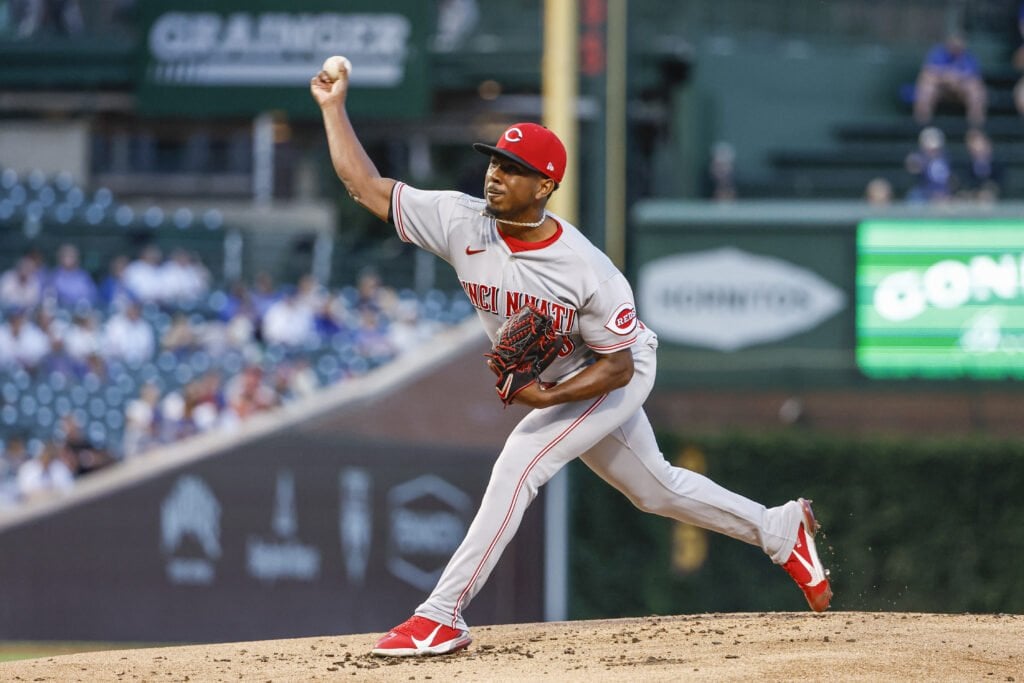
421	636
804	566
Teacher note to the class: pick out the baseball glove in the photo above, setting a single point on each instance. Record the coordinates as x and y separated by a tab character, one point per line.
526	345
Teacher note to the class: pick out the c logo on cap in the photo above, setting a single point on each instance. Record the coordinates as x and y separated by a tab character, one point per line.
513	134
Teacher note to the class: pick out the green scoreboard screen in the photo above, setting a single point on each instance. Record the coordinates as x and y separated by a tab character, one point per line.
940	299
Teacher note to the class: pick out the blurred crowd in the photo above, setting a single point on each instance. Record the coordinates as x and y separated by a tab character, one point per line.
950	72
951	162
93	372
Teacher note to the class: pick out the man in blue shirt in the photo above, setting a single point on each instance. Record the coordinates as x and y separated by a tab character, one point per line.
930	167
69	284
950	70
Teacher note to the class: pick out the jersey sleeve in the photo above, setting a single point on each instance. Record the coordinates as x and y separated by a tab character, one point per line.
423	217
608	321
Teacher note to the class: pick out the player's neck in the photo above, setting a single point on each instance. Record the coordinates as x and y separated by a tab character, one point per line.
529	234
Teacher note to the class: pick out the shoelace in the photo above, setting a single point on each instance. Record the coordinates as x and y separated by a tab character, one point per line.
408	625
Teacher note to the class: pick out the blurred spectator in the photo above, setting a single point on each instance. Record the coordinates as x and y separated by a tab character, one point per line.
372	340
128	337
295	380
174	423
58	359
184	279
328	319
81	339
950	70
179	413
142	276
878	192
241	330
930	167
45	475
373	323
247	394
263	295
69	284
372	294
407	331
1018	62
180	337
235	298
722	172
141	421
302	380
235	327
22	342
204	401
32	17
49	325
288	322
14	455
80	454
311	293
981	180
113	290
22	285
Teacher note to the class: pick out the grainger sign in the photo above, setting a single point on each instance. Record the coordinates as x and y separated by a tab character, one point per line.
241	58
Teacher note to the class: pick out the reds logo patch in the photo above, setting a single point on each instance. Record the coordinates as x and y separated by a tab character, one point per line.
623	321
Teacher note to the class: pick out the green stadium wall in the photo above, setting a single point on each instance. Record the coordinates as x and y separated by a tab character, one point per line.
909	525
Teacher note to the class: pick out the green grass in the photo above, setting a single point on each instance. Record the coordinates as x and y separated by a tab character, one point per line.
11	651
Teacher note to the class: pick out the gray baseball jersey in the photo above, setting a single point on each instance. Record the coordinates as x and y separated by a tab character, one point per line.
566	277
591	303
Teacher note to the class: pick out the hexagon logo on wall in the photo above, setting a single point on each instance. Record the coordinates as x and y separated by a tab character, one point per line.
728	299
427	519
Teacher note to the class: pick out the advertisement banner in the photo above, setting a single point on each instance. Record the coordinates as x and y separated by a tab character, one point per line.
292	535
728	299
747	305
242	58
940	298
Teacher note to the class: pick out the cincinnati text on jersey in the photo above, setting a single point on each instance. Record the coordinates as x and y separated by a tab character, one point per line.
489	298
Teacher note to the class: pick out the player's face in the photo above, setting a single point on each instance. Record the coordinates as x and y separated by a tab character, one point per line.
511	188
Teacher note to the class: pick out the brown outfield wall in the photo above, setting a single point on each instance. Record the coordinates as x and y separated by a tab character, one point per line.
456	405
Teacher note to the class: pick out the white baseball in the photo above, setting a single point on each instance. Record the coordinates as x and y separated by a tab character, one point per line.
334	66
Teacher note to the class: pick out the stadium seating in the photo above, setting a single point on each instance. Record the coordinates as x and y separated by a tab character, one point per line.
868	149
42	212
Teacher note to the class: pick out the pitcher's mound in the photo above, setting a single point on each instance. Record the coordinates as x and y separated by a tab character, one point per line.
848	646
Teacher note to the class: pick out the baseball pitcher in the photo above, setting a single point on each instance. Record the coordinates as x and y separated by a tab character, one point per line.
580	358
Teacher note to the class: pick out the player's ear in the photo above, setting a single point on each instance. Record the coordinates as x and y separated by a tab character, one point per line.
545	188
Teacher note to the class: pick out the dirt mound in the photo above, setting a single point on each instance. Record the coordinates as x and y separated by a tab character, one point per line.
849	646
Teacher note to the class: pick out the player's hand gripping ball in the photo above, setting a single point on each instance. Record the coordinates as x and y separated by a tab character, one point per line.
335	65
526	345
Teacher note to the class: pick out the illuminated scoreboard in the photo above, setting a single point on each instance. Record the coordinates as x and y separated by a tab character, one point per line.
940	299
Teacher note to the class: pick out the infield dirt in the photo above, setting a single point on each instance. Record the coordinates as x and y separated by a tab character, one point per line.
845	646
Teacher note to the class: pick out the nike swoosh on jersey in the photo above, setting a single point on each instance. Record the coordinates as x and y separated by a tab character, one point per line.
425	643
470	252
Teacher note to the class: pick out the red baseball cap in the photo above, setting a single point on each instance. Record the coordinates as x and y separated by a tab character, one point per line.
531	145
